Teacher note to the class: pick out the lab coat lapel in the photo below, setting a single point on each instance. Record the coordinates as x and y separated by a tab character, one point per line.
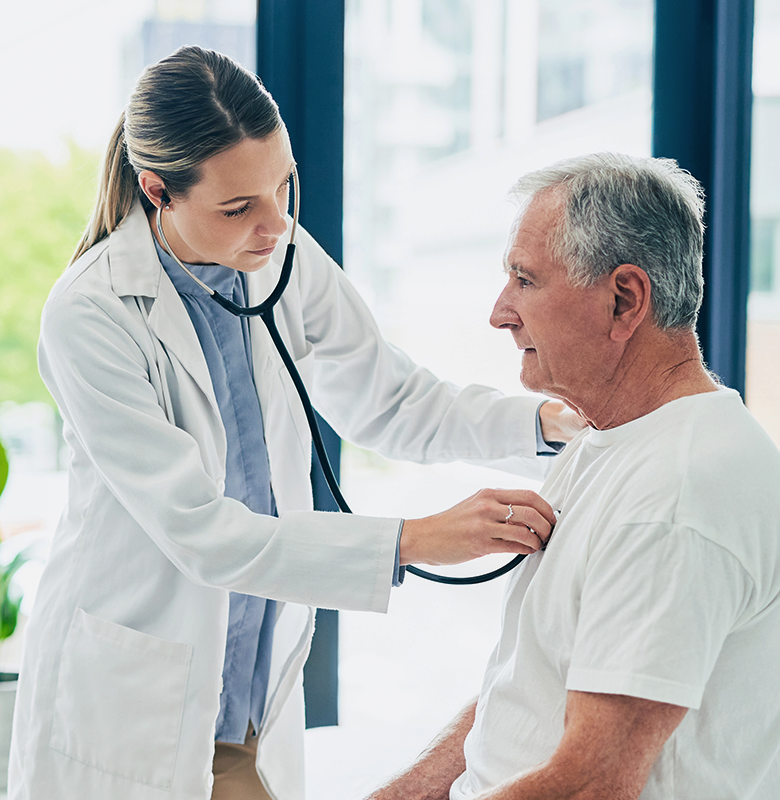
171	323
136	271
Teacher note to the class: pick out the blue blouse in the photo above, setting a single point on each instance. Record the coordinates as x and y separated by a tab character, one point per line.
226	345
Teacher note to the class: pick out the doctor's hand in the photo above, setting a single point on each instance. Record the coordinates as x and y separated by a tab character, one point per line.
560	423
480	525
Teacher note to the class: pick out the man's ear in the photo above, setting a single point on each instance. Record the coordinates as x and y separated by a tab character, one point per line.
153	187
630	287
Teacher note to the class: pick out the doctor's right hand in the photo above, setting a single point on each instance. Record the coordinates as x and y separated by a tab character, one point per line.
482	524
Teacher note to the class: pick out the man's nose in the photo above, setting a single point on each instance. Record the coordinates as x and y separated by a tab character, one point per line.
504	315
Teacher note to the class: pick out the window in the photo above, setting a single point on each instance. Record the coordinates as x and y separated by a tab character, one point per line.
762	392
446	105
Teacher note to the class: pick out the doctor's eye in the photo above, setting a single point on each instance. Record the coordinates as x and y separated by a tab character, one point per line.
237	212
286	183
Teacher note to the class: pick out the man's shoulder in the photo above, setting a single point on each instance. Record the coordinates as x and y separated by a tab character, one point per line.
709	434
702	462
722	442
730	480
716	472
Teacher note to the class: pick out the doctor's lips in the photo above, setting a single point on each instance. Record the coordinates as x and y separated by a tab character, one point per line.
266	251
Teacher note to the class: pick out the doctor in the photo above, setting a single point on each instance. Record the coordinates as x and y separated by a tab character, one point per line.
164	654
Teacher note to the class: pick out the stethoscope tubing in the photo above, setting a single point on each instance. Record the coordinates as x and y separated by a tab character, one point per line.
265	311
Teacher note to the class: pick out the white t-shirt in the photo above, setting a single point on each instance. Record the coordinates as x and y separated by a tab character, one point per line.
661	581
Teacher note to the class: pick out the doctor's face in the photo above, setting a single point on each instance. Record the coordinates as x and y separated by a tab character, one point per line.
235	214
562	329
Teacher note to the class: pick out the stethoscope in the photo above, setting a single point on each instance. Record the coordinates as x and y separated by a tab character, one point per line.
265	311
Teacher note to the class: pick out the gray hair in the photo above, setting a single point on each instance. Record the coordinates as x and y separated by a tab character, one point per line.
620	209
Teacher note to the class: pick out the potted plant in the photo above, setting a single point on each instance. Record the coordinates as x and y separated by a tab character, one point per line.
10	600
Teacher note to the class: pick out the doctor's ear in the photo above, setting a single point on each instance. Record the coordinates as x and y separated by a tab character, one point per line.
630	288
153	187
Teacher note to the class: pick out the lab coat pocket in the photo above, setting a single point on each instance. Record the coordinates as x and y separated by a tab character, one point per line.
120	700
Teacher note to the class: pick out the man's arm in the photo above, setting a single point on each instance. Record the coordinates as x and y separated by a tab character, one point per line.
609	746
432	774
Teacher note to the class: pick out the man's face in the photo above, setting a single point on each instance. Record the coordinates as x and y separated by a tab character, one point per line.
563	330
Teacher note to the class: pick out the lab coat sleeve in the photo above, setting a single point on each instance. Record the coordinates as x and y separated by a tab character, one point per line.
93	359
375	396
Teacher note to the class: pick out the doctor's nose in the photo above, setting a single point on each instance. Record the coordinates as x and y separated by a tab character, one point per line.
272	222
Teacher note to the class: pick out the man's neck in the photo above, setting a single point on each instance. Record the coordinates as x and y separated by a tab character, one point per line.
651	373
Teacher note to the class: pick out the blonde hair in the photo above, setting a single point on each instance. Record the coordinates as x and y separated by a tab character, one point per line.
184	109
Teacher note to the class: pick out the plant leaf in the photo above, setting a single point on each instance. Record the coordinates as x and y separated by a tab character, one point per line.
3	468
9	615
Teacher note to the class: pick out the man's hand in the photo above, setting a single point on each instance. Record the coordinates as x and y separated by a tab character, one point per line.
479	526
435	770
609	746
560	423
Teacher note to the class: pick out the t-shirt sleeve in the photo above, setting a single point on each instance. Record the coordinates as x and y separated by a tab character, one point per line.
657	604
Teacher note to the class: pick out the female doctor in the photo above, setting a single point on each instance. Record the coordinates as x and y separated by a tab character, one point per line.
164	654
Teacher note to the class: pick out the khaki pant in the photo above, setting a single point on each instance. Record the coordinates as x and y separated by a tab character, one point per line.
235	775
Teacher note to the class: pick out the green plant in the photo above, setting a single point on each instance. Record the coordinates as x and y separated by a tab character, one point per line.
3	468
44	207
10	598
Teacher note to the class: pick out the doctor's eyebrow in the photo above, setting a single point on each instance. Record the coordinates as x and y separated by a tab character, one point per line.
251	196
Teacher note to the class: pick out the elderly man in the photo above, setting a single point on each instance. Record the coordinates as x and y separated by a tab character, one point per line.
640	652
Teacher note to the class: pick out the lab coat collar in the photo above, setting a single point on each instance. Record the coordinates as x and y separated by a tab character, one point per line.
135	268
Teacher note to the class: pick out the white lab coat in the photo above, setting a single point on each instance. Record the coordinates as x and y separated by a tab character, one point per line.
121	676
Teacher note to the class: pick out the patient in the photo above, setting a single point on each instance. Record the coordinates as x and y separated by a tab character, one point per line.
640	653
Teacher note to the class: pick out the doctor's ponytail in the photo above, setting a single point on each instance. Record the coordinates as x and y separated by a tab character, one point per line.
186	108
116	192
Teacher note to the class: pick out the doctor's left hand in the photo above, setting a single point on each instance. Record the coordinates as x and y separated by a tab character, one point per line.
477	526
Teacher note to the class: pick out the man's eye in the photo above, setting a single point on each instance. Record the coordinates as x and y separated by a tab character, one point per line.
524	282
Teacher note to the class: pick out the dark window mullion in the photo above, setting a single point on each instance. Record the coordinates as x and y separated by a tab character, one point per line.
702	102
300	58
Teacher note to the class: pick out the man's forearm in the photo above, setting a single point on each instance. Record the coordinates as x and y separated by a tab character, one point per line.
609	746
432	774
